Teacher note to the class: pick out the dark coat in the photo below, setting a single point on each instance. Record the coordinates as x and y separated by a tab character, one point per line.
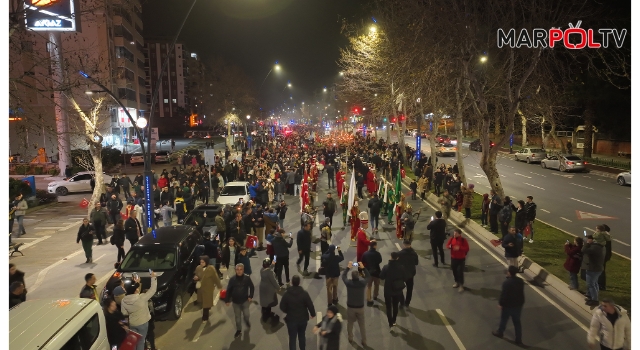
574	258
371	260
521	220
239	289
226	255
594	256
131	227
303	240
512	294
331	262
375	205
268	288
333	337
118	237
86	233
437	229
391	272
297	304
409	260
514	251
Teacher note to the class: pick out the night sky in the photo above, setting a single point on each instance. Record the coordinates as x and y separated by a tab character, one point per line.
303	35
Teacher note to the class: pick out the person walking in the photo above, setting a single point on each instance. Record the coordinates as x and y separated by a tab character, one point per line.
303	241
331	263
125	184
593	262
117	239
375	205
394	276
99	219
610	327
329	208
16	275
409	260
512	244
371	260
132	230
230	253
282	212
281	255
362	241
86	233
530	208
240	292
19	207
355	299
297	304
511	303
207	280
114	206
573	261
89	290
437	235
331	175
459	248
268	289
136	305
325	235
329	329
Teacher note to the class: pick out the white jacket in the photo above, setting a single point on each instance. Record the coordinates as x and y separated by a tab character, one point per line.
612	336
137	305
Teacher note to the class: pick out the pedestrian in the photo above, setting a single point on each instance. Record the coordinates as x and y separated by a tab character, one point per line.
243	259
521	221
344	203
459	248
394	276
303	241
166	212
114	206
355	299
494	208
16	275
331	264
437	235
240	291
125	184
603	236
512	244
281	255
329	329
446	201
329	208
230	254
117	239
207	280
371	260
282	211
325	235
414	188
116	329
86	233
610	327
574	260
19	207
16	290
505	215
375	205
530	208
99	219
484	216
331	173
68	171
408	222
362	241
467	201
268	289
593	262
297	304
136	305
132	230
409	260
89	290
511	303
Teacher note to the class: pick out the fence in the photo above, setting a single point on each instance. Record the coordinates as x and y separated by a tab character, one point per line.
610	163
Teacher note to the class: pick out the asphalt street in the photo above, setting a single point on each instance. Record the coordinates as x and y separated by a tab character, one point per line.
573	202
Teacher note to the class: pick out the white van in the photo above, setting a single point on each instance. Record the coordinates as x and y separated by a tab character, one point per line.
65	324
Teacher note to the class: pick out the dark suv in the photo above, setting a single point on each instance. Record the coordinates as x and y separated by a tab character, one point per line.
171	254
477	145
196	214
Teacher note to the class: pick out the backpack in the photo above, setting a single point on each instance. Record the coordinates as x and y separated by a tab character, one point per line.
505	214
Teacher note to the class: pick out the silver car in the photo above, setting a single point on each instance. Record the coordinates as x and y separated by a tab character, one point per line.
564	162
624	178
531	155
446	149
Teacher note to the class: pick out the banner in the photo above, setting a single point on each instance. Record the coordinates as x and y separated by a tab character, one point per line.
352	190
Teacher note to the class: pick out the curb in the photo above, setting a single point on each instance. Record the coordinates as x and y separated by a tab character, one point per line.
537	274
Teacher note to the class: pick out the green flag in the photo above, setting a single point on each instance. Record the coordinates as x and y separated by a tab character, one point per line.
399	185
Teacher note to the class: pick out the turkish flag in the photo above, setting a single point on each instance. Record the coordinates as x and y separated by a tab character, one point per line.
403	173
304	193
84	203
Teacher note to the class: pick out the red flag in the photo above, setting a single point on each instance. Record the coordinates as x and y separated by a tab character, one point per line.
84	203
304	191
403	173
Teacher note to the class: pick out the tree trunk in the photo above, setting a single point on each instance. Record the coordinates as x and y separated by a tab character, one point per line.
459	127
96	153
524	129
375	127
401	129
544	144
488	160
229	143
496	126
589	116
432	146
388	133
555	137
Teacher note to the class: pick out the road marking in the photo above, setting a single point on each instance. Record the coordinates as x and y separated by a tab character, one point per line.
104	278
588	177
199	332
528	177
43	273
621	242
48	228
450	329
100	257
571	183
471	165
539	174
546	211
565	219
526	183
577	200
502	175
592	230
583	215
31	244
398	246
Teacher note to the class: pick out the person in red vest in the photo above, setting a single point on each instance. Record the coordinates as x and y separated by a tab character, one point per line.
362	244
340	175
355	220
371	181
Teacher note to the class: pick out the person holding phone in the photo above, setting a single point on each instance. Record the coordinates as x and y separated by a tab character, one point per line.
135	304
355	298
573	261
281	251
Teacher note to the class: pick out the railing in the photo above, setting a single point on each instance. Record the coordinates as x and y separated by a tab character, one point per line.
609	163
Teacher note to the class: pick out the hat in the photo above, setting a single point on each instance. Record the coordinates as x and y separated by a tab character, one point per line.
409	206
364	217
333	309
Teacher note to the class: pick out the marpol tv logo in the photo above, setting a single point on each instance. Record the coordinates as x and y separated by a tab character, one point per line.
574	38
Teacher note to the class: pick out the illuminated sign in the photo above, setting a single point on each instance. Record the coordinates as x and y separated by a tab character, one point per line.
52	15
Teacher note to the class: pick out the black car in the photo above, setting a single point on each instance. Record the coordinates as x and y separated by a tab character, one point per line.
196	214
477	146
173	255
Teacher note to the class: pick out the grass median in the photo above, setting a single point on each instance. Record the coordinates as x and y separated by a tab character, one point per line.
548	252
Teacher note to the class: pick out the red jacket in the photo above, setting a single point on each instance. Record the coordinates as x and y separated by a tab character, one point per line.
462	243
163	182
362	244
574	258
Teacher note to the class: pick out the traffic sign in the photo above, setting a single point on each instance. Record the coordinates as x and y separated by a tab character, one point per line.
583	215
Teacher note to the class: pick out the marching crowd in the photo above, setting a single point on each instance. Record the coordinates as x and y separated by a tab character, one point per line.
292	166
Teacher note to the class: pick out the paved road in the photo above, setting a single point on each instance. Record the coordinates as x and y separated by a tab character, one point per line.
573	202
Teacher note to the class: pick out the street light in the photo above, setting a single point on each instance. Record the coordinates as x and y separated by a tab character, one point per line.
483	59
141	122
325	89
373	29
276	67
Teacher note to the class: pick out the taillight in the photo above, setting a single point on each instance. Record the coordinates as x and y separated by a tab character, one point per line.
117	274
533	156
585	163
455	149
569	163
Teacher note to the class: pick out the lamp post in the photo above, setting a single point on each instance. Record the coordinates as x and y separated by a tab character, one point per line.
276	67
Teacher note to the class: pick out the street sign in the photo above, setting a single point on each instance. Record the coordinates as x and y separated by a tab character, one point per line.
52	15
583	215
154	139
511	141
209	156
418	148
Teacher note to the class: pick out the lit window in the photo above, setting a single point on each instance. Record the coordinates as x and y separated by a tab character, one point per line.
174	100
166	100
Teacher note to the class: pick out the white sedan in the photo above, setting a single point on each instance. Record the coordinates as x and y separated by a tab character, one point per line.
233	192
80	182
624	178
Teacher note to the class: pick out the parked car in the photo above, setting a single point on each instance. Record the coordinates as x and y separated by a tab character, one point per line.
212	210
73	323
453	140
624	178
80	182
477	145
564	162
136	158
442	138
424	135
446	149
171	254
162	157
234	191
531	155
